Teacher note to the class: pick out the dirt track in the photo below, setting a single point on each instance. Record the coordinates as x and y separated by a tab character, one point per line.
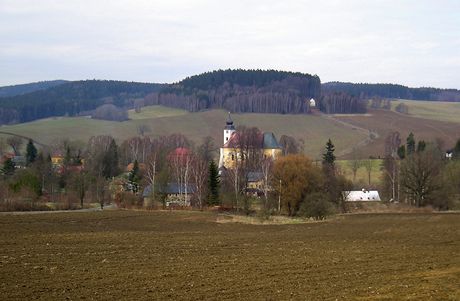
113	255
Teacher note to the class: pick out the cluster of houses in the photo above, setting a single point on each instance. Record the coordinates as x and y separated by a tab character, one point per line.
180	192
230	154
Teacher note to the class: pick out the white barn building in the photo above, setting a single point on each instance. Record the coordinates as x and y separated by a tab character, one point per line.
361	196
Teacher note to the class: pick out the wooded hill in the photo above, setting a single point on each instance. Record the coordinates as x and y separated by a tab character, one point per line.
239	91
71	99
366	91
28	88
249	91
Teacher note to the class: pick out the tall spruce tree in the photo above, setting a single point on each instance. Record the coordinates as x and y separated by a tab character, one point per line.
410	142
133	177
31	153
456	150
402	152
214	183
68	156
328	156
421	145
8	167
110	161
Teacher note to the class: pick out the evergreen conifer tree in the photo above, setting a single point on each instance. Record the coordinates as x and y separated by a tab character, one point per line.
402	152
110	161
31	152
456	150
8	167
133	177
214	184
410	144
67	156
328	156
421	145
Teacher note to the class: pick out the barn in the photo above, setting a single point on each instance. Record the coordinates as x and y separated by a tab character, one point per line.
362	195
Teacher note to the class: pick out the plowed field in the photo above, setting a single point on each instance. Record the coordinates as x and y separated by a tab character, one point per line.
127	255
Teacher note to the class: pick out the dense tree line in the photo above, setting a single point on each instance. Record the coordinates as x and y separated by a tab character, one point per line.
341	103
71	99
363	90
242	91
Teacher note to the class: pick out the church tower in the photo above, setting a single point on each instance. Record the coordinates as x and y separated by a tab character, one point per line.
229	128
228	131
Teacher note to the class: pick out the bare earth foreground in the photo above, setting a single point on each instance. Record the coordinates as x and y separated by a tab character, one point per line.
115	255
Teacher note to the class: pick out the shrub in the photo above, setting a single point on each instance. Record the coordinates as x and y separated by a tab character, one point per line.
316	205
127	200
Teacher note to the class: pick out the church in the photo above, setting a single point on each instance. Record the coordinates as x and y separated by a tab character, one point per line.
230	152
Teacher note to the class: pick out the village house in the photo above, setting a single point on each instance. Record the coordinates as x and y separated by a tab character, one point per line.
174	195
57	159
255	184
362	196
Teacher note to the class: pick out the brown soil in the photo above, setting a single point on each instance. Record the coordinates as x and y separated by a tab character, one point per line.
383	122
121	255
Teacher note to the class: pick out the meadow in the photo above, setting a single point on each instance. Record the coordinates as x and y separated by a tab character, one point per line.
354	135
362	175
383	122
184	255
313	130
434	110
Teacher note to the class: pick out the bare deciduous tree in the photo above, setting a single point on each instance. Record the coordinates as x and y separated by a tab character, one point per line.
420	176
142	129
267	166
15	143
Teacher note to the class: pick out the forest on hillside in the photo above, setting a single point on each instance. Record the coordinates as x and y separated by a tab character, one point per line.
71	99
366	91
261	91
28	88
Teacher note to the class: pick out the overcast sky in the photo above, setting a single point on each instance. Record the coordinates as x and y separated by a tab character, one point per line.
411	42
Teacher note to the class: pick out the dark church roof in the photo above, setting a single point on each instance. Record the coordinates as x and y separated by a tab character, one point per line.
265	140
229	123
270	141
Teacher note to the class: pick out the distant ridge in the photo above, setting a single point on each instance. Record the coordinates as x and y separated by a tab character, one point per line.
14	90
235	90
365	90
71	99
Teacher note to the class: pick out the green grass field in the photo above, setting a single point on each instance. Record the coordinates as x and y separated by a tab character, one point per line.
435	110
151	112
313	130
140	255
362	176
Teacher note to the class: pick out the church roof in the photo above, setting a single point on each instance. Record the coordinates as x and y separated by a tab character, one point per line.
270	141
265	140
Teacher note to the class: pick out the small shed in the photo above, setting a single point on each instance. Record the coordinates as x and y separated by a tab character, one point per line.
175	194
362	196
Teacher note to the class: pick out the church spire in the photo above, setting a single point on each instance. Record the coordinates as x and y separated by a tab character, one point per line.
229	122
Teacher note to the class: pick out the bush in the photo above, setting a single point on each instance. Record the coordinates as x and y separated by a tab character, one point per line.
316	205
127	200
402	108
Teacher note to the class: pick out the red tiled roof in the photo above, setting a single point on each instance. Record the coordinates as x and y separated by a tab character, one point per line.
234	141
